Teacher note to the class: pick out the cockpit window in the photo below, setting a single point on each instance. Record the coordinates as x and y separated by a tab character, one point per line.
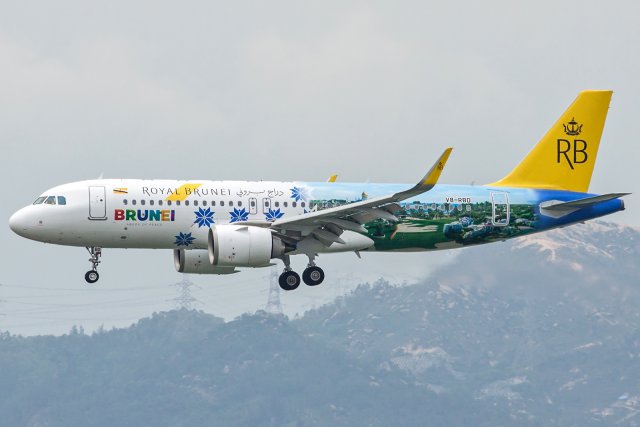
51	200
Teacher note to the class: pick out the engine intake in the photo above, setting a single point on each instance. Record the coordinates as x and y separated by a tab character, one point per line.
243	246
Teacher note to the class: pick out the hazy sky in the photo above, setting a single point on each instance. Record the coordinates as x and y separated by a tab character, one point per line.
284	91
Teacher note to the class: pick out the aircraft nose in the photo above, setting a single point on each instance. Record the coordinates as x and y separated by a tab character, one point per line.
18	223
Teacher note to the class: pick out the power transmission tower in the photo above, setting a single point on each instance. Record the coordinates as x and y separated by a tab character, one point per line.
185	300
343	287
273	301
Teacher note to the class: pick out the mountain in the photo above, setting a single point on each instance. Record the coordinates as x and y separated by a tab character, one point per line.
539	331
545	326
187	368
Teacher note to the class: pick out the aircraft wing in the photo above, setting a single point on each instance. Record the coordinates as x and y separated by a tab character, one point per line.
327	225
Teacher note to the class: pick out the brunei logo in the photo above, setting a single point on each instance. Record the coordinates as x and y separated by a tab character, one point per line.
572	128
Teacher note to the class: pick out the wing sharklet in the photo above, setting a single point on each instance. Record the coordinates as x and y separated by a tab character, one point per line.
429	180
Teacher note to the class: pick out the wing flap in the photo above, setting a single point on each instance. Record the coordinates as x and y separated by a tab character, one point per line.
327	236
345	224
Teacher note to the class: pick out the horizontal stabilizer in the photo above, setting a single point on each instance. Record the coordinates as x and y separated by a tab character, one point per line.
556	208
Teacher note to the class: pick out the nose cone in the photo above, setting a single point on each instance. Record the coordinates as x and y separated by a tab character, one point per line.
18	223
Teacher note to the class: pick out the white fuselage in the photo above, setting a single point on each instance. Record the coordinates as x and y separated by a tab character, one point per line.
148	213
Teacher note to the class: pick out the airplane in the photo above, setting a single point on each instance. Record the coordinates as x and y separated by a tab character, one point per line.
217	227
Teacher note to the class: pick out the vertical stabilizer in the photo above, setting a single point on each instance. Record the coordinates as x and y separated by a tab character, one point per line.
565	156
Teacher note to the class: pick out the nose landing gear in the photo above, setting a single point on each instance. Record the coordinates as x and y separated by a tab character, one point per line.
92	275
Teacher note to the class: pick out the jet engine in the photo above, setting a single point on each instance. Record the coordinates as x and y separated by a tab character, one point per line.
243	246
197	261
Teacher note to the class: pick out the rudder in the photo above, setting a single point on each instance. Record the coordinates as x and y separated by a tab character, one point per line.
565	156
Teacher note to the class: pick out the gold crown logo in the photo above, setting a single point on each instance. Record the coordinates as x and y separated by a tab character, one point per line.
572	128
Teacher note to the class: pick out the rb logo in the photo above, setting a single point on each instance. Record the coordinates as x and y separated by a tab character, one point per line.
579	149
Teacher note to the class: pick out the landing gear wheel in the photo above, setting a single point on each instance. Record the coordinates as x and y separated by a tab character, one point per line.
91	276
313	275
289	280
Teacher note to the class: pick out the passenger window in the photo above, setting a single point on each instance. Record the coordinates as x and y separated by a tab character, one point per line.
151	202
133	202
204	203
142	202
125	202
239	203
51	200
286	204
302	204
253	204
277	204
168	202
195	203
62	200
294	204
39	200
186	203
213	203
159	202
231	203
177	202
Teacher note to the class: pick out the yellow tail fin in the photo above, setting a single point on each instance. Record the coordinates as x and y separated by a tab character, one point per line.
565	156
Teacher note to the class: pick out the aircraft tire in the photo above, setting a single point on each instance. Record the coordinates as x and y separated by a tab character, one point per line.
289	280
91	276
313	276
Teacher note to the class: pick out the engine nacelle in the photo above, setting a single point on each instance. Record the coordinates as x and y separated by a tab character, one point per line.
197	261
243	246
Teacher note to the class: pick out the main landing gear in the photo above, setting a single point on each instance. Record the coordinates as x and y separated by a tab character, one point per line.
290	280
92	275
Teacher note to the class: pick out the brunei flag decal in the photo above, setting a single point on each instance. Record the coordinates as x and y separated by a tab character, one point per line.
120	191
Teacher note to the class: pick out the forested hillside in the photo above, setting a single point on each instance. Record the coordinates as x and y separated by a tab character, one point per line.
540	331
